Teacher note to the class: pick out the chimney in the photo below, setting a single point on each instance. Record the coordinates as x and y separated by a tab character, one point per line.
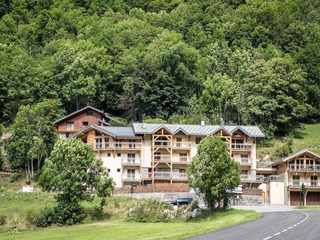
144	126
221	122
202	123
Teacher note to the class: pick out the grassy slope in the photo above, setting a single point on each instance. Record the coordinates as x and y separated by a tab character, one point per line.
308	137
118	230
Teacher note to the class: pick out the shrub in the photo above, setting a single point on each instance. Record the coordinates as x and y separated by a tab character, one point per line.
150	210
68	213
16	177
2	219
45	218
194	205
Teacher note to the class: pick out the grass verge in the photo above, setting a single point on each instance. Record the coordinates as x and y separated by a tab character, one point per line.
118	229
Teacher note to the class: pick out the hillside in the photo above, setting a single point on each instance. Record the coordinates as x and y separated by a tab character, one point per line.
250	62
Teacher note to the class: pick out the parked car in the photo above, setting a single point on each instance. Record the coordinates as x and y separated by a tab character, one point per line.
181	201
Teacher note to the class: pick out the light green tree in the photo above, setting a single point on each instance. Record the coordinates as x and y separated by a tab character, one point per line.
212	171
73	170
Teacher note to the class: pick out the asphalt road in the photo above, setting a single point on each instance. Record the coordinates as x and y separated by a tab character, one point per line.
292	225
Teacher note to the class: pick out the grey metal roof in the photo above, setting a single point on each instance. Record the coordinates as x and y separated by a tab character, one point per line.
111	131
197	130
297	154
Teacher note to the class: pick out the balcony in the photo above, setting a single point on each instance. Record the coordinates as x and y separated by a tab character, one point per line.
162	158
245	162
171	175
181	160
181	145
302	168
118	146
131	178
252	178
308	184
241	146
162	144
130	162
162	175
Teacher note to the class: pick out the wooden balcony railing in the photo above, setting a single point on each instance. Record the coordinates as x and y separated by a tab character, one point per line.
307	184
162	158
256	178
162	144
302	168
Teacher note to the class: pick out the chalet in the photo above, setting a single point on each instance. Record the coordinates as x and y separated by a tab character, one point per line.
77	120
296	181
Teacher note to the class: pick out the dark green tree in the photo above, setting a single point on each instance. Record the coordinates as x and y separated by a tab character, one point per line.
74	171
212	171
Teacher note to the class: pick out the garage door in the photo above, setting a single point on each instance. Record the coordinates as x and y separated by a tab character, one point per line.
294	198
313	198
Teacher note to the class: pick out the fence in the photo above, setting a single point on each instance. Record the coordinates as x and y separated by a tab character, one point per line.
158	187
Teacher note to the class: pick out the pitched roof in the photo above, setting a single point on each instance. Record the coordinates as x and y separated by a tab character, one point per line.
111	131
196	130
297	154
76	112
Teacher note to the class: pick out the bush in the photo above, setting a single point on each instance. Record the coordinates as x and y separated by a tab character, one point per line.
16	177
42	219
2	219
66	213
194	205
150	210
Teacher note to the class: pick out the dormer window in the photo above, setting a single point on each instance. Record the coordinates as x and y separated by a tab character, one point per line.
89	113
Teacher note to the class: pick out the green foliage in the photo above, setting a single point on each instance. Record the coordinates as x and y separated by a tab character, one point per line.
34	135
150	59
2	219
150	210
73	170
16	177
212	171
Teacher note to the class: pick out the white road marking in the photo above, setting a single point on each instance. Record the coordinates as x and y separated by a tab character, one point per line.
278	233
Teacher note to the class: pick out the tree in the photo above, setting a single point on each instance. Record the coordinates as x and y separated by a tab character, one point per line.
213	171
33	135
73	170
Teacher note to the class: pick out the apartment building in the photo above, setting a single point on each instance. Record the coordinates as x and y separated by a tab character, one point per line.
159	153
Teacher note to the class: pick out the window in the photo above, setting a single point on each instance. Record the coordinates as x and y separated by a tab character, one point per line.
119	154
108	169
244	158
96	133
118	170
70	126
131	174
98	143
198	140
183	157
109	154
106	142
296	181
132	144
179	140
131	158
118	143
90	113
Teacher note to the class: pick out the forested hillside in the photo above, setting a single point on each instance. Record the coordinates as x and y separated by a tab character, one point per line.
248	61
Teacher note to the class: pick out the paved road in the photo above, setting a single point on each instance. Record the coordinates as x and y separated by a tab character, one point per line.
285	225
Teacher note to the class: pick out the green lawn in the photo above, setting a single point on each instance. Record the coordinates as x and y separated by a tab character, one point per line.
307	137
118	229
309	208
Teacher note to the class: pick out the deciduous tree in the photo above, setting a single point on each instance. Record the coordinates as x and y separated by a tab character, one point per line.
212	171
